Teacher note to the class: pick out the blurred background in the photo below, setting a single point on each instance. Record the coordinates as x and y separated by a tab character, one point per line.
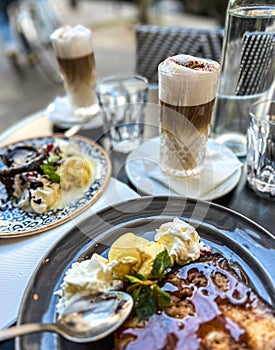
28	70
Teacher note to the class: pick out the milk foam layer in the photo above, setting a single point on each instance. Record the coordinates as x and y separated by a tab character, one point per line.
72	42
186	80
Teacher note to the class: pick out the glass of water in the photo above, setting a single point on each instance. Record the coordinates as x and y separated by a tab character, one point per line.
261	149
123	100
247	69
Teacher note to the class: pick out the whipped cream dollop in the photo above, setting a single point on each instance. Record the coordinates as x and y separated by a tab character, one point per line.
186	80
93	275
72	42
181	241
38	200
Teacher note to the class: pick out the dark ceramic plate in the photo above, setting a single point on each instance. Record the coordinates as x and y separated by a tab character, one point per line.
237	238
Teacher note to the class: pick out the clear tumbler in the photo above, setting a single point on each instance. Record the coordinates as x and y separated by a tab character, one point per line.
261	149
123	99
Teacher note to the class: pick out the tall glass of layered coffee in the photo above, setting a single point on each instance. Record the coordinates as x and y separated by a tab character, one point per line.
187	90
73	47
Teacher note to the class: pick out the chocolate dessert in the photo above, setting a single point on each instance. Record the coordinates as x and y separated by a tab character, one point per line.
212	308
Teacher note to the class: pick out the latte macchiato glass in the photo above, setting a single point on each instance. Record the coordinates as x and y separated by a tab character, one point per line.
187	90
75	55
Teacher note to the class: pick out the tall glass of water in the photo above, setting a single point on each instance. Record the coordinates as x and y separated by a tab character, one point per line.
247	69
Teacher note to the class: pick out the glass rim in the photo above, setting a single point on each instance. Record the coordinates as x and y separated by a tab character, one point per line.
122	77
255	105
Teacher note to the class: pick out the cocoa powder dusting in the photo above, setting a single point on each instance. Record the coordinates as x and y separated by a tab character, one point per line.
193	64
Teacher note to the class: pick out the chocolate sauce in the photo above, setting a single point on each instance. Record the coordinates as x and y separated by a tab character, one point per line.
200	293
20	159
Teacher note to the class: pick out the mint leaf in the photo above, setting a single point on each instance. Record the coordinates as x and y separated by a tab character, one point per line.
163	298
135	278
136	293
146	304
150	300
161	263
49	170
137	281
53	159
147	294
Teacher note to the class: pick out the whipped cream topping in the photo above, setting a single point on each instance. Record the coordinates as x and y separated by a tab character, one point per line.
186	80
93	275
72	42
181	241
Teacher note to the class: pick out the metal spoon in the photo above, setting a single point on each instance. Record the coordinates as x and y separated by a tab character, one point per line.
89	318
75	128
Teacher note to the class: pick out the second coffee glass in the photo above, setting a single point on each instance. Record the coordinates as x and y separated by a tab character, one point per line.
75	55
187	91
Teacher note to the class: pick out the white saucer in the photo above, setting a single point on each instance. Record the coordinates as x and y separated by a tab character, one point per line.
152	185
60	112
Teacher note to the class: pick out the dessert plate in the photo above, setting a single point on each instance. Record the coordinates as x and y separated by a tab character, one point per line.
217	177
240	240
15	222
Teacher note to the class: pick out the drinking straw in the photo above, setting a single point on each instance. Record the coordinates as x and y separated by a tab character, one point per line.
256	62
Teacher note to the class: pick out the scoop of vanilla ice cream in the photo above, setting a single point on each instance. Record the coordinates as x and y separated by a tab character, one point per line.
181	241
93	275
131	254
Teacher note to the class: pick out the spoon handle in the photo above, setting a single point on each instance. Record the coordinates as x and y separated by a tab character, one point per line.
15	331
75	128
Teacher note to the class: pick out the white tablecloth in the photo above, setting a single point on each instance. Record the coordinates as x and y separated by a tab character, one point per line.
20	256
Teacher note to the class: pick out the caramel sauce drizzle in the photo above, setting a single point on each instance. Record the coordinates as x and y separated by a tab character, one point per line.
198	292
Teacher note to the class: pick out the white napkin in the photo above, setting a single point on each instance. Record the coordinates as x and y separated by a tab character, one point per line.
218	166
20	256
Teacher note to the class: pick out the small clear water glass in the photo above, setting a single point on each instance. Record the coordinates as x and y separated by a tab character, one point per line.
261	149
122	100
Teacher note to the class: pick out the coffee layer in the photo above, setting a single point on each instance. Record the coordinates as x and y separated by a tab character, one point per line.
184	132
79	77
175	118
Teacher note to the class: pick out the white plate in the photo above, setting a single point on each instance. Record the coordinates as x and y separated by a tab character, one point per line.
149	185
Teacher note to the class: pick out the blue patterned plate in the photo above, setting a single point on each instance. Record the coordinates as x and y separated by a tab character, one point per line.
15	222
